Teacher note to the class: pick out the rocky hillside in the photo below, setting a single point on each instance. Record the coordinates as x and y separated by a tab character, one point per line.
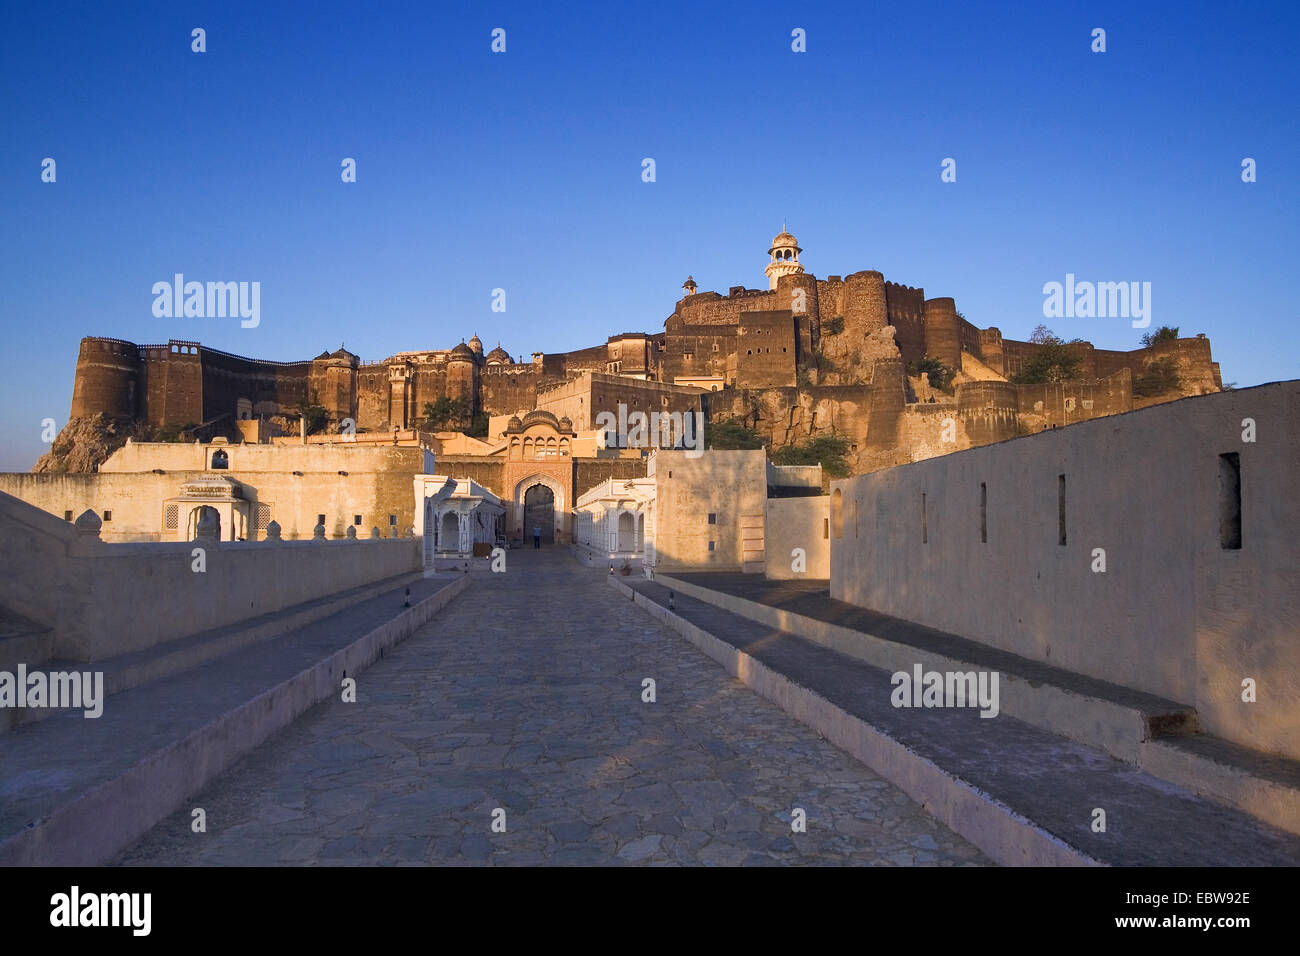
84	443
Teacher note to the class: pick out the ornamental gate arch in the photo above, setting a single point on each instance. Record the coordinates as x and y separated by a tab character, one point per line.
537	509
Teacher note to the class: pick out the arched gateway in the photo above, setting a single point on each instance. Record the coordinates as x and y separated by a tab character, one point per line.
539	512
539	502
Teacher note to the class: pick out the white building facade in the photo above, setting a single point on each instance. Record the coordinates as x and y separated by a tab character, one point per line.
612	519
455	514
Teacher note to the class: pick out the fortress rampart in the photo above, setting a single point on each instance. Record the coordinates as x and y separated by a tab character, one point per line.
858	331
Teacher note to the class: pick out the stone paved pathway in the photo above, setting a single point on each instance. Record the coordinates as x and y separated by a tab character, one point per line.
525	694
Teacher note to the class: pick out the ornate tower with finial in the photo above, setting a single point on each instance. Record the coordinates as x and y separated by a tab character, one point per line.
689	285
784	257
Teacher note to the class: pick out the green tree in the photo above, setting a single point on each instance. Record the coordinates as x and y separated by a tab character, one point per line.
478	426
834	326
1160	376
732	433
446	412
829	451
174	432
941	375
313	413
1053	361
1165	333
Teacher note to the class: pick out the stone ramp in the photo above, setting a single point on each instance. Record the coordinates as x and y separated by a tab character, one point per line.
77	791
155	663
1157	735
1021	794
1114	718
22	641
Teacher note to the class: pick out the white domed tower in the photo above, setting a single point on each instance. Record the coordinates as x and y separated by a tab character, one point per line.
476	344
785	257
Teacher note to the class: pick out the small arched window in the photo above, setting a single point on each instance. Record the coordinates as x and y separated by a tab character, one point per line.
220	460
837	513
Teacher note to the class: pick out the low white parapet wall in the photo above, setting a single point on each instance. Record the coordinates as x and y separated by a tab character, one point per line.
1155	550
800	524
102	600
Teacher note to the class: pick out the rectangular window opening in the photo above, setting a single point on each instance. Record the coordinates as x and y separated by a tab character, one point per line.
712	545
826	529
108	516
925	531
1060	509
1230	501
984	513
356	519
67	516
713	518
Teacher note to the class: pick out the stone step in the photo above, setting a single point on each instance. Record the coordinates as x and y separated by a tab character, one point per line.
156	663
1021	794
1107	716
1264	785
1156	734
77	791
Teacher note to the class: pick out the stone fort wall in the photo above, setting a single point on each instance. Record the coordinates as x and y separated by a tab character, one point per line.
837	332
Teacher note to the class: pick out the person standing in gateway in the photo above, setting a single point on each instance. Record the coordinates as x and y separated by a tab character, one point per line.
537	538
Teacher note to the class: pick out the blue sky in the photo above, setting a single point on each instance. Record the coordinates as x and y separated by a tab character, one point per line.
522	170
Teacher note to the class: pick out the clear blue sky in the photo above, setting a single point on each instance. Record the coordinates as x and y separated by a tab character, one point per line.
523	171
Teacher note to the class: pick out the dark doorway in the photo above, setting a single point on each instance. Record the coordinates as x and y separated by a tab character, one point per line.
449	532
196	515
539	512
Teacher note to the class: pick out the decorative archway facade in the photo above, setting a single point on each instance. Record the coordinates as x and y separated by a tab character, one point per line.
224	495
539	450
612	518
455	514
559	530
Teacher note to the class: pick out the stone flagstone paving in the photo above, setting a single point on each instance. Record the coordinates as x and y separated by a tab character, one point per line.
525	694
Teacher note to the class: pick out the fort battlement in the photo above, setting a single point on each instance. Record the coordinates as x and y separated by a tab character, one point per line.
271	363
837	332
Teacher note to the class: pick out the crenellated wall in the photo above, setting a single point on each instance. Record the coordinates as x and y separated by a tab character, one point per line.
506	389
108	379
710	308
271	388
906	310
746	339
173	384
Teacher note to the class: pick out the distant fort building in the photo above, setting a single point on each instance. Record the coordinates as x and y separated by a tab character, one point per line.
804	357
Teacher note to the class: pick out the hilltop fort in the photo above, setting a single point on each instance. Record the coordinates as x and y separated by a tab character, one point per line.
849	356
